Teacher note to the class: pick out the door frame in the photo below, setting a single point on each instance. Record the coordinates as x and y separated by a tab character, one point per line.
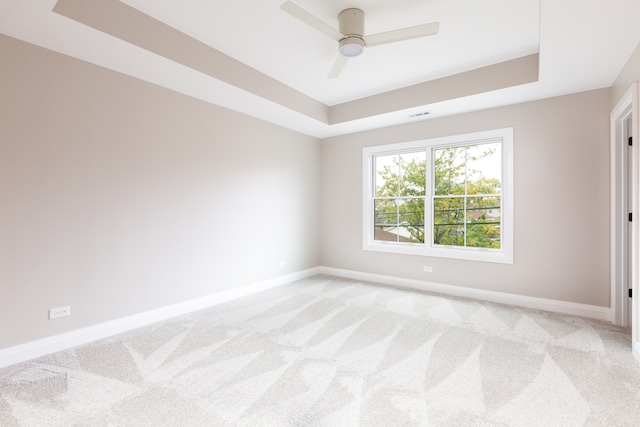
627	107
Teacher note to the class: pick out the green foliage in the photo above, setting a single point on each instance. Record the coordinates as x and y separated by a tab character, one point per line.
404	187
458	214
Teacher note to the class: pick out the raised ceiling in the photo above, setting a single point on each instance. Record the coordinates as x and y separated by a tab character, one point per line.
250	56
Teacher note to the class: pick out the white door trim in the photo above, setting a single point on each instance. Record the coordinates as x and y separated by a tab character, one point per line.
626	107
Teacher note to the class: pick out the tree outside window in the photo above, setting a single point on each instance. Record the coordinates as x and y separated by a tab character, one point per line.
465	200
400	194
467	189
448	197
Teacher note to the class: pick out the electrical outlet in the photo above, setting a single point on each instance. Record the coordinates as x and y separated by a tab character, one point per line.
54	313
427	269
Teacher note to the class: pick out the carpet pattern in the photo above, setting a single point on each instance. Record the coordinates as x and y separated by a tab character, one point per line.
326	351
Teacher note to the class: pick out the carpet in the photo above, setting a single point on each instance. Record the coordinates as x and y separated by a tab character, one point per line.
327	351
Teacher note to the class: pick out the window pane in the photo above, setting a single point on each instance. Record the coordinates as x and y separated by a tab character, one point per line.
385	213
483	209
400	175
413	174
386	175
483	236
386	234
448	221
448	235
411	216
484	168
411	234
449	170
483	222
448	210
386	220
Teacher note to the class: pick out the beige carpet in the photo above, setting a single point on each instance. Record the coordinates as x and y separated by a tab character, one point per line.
332	352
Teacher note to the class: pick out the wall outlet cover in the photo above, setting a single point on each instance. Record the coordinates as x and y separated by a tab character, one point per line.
54	313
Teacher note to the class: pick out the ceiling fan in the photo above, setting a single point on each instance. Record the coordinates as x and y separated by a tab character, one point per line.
350	36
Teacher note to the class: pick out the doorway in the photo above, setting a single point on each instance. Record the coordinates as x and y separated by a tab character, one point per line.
625	215
630	172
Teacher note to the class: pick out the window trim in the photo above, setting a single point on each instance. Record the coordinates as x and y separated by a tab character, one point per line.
503	255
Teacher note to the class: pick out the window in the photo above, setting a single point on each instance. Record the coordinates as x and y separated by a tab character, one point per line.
446	197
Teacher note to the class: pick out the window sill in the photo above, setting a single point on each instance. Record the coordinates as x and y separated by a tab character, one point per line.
468	254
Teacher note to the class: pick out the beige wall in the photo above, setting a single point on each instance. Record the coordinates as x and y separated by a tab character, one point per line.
561	210
118	196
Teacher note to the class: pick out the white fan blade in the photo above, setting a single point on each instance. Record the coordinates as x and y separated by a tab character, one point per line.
402	34
338	66
311	20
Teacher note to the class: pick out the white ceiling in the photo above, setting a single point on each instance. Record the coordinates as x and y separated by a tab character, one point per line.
582	46
264	37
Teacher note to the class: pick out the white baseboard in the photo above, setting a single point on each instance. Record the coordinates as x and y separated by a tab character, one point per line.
584	310
33	349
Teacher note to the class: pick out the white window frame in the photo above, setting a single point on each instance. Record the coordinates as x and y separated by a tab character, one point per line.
502	255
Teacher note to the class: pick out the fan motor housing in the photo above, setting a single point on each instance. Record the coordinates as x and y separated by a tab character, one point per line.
351	25
351	22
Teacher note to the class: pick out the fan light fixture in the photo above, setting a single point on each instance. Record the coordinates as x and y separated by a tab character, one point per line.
351	46
350	34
